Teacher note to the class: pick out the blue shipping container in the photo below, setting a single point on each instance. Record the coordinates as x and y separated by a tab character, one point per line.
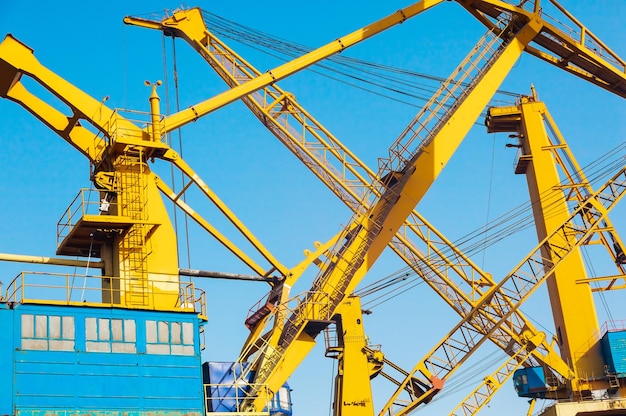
530	382
614	352
59	359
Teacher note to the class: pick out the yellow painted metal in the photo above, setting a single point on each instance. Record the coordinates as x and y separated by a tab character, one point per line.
119	151
191	114
194	178
531	407
18	59
518	285
155	111
368	235
167	191
610	285
482	394
349	178
143	254
353	393
572	303
272	308
564	41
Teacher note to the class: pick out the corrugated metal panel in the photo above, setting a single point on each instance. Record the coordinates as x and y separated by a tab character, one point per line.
6	359
530	382
225	379
101	413
109	369
614	352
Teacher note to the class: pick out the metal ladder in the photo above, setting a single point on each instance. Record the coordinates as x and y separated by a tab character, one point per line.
424	127
133	249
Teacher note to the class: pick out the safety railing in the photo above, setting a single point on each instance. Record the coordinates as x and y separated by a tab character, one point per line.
613	326
555	14
305	307
226	399
140	119
105	291
86	202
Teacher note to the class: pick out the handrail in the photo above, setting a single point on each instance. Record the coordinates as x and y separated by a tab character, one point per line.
87	290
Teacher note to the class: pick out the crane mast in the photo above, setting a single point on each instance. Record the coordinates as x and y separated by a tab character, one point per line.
132	234
129	212
571	191
205	41
347	176
573	308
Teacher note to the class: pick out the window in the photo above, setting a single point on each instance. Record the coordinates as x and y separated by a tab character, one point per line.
110	335
175	338
47	332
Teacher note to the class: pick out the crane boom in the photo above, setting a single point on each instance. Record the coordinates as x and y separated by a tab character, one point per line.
585	56
518	285
406	176
568	45
348	177
191	114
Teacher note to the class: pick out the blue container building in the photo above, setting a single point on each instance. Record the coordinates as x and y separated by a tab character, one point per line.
87	360
614	351
90	360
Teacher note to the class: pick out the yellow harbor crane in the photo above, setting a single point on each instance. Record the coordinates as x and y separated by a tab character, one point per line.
299	328
191	28
274	112
132	236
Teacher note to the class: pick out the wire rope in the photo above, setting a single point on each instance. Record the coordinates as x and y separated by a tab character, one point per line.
180	149
502	227
374	76
493	153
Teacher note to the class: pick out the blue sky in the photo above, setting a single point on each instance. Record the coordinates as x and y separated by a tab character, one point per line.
275	196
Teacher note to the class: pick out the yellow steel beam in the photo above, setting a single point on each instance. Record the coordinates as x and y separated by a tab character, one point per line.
232	247
17	60
563	41
194	178
349	178
482	394
21	258
612	285
525	278
353	392
191	114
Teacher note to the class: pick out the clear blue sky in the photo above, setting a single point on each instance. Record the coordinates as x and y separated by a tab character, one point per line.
275	196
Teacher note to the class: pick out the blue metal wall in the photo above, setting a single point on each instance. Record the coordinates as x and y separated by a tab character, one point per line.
98	360
7	348
530	382
614	351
